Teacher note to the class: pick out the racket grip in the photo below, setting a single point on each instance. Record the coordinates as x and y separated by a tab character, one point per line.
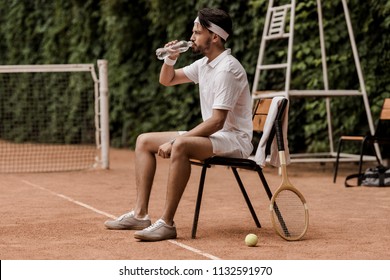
279	134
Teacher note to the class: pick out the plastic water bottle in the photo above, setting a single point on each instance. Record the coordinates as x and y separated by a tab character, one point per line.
181	47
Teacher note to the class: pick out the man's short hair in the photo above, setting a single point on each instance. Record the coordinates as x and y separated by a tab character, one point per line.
216	16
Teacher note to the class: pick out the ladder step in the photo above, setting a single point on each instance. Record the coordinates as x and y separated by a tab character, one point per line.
272	66
276	36
301	93
325	93
267	94
287	6
278	21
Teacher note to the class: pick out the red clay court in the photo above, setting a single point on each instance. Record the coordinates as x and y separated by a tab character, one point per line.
59	216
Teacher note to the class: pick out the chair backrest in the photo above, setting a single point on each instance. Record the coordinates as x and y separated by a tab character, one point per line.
385	114
260	113
383	127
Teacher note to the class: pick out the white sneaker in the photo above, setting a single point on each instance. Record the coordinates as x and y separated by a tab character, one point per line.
128	221
157	232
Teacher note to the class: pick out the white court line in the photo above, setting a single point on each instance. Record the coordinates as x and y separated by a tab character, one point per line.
194	250
70	199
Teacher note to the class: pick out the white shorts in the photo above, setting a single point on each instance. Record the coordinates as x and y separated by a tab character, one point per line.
230	144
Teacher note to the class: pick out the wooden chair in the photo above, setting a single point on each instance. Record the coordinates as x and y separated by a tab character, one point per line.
261	109
381	137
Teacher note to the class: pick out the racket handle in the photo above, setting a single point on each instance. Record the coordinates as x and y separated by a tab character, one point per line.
279	134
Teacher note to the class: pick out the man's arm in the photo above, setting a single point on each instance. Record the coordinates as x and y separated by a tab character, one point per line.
209	126
170	77
204	129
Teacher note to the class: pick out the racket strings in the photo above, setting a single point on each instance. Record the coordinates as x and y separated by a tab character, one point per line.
289	214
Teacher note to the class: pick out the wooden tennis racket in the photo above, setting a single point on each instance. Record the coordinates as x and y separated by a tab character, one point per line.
289	212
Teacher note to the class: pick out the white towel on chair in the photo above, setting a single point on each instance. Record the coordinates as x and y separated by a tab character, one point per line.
260	157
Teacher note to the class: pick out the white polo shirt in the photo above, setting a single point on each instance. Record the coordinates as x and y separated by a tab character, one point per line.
223	84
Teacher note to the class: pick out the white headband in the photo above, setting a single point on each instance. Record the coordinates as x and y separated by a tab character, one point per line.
215	29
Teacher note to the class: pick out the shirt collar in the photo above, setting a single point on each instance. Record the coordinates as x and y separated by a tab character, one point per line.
220	57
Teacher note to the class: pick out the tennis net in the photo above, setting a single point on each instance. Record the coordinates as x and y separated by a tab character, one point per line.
53	117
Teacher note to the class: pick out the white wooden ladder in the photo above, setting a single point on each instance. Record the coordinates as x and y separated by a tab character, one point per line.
276	28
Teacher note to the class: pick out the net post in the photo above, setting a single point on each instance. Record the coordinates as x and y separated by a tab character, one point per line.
104	116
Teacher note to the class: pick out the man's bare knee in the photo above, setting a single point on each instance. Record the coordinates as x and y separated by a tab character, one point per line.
144	142
179	148
194	147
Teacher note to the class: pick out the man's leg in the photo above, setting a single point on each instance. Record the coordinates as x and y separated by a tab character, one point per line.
184	149
146	147
145	166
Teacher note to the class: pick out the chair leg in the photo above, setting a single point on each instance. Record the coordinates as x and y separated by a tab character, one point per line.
244	193
336	167
361	161
372	145
265	184
364	144
198	201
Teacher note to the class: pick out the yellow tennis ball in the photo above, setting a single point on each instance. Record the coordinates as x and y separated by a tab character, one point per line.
251	240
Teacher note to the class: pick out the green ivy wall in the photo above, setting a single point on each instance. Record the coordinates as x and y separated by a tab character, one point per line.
126	33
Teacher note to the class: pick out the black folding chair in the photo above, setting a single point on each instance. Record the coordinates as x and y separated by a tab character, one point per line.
381	137
261	110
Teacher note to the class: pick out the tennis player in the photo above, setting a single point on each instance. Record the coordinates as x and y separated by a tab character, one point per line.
226	129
